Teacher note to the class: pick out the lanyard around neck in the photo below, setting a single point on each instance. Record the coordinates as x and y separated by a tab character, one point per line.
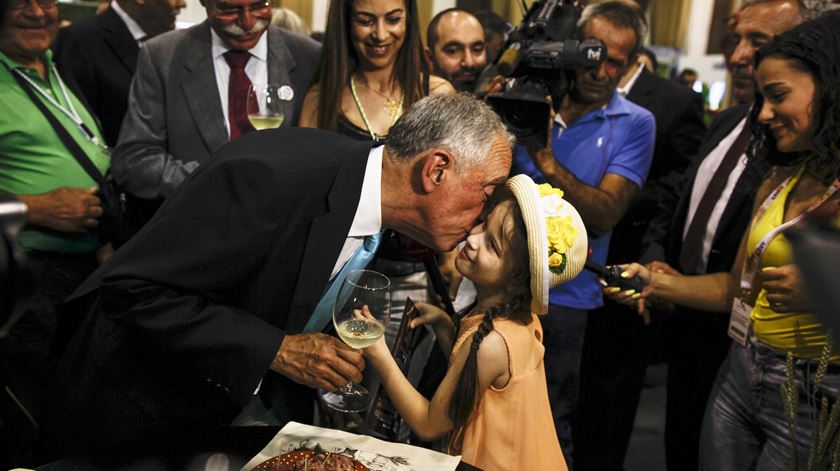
362	109
71	112
754	257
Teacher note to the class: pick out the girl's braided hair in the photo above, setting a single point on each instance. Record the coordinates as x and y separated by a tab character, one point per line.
466	397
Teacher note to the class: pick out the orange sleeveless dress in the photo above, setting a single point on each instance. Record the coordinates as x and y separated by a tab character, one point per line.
511	427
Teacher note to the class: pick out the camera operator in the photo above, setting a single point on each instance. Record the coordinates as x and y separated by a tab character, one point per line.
599	152
61	197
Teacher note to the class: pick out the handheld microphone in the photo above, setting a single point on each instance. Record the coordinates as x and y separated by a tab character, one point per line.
612	275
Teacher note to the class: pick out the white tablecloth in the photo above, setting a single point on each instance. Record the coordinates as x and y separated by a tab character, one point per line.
378	455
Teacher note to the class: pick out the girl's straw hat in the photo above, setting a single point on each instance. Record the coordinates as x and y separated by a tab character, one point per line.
557	244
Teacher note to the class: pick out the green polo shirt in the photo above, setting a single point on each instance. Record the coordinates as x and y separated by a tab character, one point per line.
33	160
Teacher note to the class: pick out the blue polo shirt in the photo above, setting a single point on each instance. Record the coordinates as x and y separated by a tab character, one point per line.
617	138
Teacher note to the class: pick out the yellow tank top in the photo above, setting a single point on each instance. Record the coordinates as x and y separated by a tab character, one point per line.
800	333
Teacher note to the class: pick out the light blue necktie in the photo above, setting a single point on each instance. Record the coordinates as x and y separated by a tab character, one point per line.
360	259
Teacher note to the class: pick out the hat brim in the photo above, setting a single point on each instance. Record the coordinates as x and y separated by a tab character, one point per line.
533	213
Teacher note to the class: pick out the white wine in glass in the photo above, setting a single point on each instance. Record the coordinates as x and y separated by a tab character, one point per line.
361	311
265	106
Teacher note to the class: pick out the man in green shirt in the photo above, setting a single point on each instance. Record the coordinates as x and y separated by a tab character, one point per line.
63	208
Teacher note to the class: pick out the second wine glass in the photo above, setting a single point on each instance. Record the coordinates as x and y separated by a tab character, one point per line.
361	313
265	106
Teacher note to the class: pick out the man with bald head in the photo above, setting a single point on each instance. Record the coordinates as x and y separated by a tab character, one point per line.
456	48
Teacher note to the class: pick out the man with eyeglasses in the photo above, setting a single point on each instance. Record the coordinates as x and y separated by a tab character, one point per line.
63	208
100	53
189	95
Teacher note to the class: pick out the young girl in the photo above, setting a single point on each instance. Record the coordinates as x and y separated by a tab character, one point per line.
494	397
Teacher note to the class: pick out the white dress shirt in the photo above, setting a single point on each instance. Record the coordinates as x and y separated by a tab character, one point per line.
368	218
133	27
623	91
701	183
256	69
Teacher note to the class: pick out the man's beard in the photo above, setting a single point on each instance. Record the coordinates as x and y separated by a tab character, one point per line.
467	85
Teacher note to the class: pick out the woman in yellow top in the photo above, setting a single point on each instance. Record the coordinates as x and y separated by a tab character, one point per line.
796	126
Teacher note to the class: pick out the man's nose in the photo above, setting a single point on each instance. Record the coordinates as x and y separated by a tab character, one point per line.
743	53
470	59
247	20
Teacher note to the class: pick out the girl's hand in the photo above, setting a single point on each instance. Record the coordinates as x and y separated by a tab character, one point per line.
784	289
378	349
429	314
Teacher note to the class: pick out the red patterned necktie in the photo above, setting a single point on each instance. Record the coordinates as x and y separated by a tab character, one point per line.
239	86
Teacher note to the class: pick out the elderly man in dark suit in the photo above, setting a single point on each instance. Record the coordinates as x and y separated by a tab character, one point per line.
189	93
100	54
214	298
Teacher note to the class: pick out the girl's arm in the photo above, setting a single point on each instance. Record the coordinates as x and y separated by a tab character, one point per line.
429	419
440	322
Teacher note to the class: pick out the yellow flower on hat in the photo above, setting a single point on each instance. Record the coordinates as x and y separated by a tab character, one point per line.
555	260
546	189
561	233
560	230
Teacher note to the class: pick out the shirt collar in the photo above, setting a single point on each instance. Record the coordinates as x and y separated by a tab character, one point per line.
219	47
623	91
133	27
368	218
11	65
615	107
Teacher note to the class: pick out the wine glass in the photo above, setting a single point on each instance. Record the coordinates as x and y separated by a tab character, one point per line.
265	105
361	312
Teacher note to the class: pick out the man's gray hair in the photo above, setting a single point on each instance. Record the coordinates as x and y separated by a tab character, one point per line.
621	13
459	123
808	9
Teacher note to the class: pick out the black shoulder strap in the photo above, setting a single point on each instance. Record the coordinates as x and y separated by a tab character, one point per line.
65	137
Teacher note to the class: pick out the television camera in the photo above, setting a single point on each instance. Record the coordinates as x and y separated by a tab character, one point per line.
541	55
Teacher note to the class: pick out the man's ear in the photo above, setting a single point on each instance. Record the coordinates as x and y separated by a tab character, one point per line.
438	164
429	57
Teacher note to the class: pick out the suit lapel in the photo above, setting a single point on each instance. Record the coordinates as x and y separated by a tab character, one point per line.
642	91
280	65
117	36
326	237
742	189
716	134
200	89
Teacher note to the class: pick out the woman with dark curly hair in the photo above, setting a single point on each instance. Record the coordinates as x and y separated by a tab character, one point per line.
796	129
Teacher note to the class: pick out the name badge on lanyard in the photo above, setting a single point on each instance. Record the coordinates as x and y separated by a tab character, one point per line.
739	321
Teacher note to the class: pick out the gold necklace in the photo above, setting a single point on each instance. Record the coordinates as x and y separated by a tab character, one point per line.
361	108
393	106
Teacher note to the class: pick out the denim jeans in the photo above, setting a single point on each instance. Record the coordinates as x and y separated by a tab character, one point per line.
745	426
563	330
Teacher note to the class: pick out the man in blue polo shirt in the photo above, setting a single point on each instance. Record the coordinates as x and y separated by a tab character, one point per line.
599	155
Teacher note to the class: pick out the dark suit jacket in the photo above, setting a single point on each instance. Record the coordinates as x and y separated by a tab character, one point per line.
678	111
175	120
100	55
663	240
183	322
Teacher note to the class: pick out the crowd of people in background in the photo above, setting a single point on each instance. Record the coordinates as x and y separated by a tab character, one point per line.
179	258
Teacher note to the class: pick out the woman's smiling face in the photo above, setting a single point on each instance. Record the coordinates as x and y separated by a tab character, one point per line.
788	103
378	29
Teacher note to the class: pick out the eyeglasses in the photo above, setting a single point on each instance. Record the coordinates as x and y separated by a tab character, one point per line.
21	4
230	11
